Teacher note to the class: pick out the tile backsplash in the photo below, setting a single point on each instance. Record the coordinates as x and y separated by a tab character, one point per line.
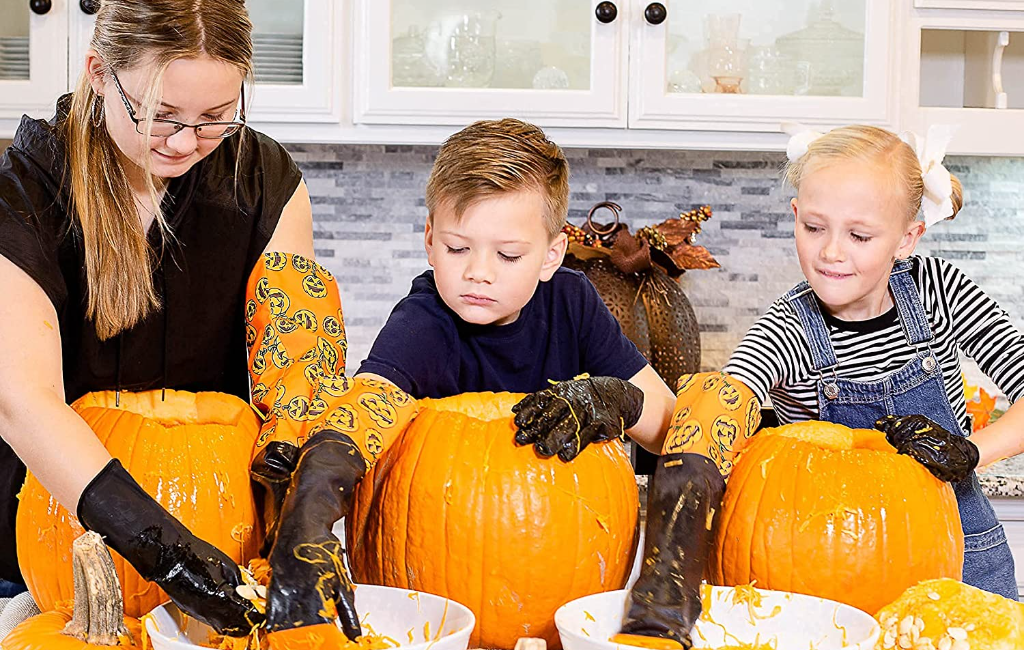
369	212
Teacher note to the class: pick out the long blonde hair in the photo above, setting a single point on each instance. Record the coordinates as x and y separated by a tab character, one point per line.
492	157
872	145
118	258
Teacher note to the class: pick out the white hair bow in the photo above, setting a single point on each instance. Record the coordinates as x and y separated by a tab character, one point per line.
801	137
937	202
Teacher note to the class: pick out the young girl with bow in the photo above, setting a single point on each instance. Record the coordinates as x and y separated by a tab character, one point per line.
871	338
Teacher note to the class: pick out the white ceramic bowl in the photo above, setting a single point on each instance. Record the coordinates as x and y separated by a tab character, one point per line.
389	611
587	623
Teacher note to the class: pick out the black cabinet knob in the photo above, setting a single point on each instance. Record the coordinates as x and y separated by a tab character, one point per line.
89	6
40	6
655	13
606	12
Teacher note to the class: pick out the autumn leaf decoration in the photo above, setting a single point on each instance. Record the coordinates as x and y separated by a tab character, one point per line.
669	244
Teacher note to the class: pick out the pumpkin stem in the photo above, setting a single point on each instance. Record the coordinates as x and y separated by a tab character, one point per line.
98	616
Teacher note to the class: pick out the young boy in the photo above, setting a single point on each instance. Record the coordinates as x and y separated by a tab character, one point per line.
497	313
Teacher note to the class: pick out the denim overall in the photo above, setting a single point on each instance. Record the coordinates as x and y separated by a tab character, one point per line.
915	389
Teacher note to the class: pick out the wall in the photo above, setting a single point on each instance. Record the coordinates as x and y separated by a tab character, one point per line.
369	213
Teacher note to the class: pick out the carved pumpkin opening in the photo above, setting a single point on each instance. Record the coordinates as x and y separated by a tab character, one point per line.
486	407
190	451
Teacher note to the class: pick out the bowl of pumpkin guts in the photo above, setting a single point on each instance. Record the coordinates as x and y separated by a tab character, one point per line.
390	618
733	618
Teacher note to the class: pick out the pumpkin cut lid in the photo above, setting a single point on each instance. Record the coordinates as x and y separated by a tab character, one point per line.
831	436
486	406
174	407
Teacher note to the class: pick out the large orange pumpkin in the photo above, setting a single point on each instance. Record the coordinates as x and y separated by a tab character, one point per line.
455	508
821	509
190	451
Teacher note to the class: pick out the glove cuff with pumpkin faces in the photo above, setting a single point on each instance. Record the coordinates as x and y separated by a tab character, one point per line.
295	334
715	414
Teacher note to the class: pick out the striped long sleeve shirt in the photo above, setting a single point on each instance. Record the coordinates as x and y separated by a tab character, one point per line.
774	358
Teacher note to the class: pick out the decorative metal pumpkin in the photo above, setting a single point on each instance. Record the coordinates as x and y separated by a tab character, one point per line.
637	277
191	451
455	508
821	509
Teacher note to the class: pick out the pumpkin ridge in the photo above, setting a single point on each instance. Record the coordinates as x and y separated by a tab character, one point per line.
408	557
487	535
764	570
751	570
608	496
459	449
131	585
740	475
580	513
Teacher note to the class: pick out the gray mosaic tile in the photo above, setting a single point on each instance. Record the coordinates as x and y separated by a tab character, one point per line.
369	214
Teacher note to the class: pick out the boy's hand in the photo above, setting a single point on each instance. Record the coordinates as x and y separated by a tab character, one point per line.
570	415
948	456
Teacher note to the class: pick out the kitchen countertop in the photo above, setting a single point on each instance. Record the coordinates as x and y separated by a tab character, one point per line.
1004	479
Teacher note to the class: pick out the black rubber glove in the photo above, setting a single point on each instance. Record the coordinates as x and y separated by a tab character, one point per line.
308	579
685	492
272	470
198	577
948	456
572	414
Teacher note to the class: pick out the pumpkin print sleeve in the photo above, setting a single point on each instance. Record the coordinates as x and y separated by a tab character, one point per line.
715	414
296	338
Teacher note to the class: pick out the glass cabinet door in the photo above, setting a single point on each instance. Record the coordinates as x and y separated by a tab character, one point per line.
966	69
295	70
33	56
807	60
277	41
448	61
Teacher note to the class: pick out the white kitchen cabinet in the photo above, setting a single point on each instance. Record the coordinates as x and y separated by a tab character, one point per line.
296	48
555	62
32	70
711	65
593	73
299	76
750	65
965	67
985	5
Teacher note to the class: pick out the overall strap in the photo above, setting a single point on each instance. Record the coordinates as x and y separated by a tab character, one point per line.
913	318
804	302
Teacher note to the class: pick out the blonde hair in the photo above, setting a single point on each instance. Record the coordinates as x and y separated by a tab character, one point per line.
871	145
493	157
118	257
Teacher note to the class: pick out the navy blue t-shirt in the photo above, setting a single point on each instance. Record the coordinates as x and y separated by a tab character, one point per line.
428	351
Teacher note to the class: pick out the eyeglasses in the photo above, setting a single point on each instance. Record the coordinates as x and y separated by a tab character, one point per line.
165	128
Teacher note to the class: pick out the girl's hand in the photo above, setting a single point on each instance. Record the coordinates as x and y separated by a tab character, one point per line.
948	456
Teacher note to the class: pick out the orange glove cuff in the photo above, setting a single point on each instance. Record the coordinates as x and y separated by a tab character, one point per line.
715	414
296	337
